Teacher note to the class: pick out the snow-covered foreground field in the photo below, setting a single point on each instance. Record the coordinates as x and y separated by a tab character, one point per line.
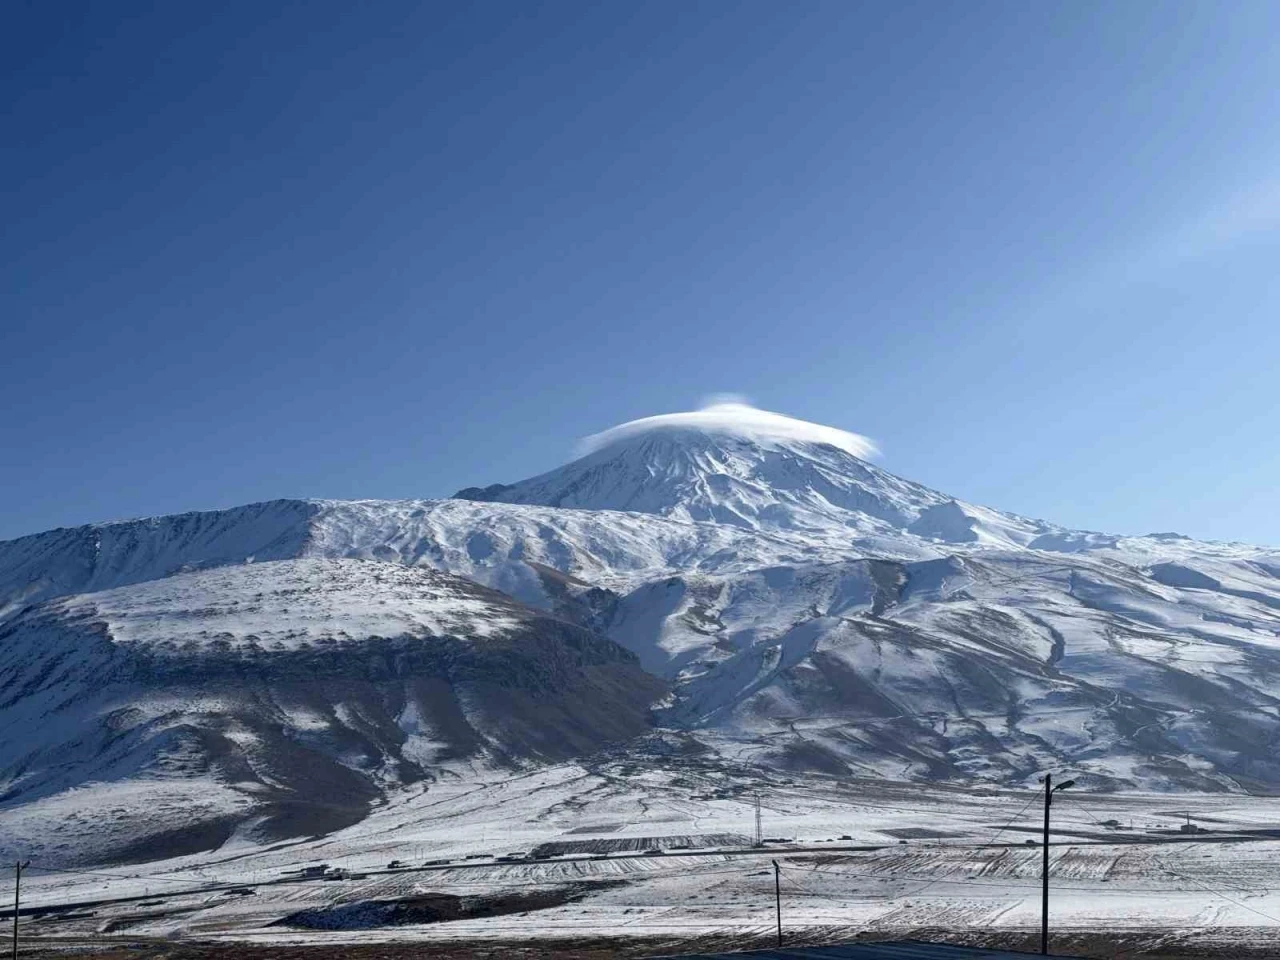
859	856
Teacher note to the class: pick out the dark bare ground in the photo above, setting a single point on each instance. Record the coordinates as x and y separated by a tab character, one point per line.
1237	944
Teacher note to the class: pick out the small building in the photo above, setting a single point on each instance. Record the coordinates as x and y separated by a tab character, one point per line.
897	950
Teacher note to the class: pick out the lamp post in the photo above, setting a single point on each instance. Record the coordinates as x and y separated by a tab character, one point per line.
1049	791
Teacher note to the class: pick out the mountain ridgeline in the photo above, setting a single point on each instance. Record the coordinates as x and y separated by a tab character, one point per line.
748	580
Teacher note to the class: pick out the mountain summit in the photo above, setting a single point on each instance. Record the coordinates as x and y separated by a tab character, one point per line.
730	463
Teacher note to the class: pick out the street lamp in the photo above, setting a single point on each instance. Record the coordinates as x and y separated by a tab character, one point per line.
1049	791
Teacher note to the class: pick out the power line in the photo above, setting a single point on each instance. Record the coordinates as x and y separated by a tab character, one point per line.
936	880
1072	800
121	876
1216	893
841	900
971	881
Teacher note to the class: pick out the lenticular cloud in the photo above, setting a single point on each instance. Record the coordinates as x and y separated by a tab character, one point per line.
738	419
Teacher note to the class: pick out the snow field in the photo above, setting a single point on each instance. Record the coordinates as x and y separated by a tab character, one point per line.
964	863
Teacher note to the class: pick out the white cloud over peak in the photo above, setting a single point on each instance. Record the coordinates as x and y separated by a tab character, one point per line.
736	418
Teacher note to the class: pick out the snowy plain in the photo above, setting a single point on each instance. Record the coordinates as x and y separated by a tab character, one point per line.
856	857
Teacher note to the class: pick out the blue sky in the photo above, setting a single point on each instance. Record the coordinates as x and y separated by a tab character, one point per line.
390	250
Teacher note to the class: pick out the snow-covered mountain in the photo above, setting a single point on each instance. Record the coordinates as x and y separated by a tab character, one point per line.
731	464
806	609
289	694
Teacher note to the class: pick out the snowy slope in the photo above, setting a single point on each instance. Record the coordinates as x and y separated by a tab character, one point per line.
296	690
102	555
495	544
993	666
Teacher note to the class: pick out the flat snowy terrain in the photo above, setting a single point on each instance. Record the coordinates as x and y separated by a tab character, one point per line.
856	857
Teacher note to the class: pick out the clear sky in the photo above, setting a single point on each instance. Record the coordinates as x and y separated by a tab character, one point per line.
389	250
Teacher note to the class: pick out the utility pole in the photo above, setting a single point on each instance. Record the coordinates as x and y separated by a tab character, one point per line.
17	891
777	897
1049	791
1044	870
759	831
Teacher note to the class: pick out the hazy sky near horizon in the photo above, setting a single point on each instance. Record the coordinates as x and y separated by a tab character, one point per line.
390	250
